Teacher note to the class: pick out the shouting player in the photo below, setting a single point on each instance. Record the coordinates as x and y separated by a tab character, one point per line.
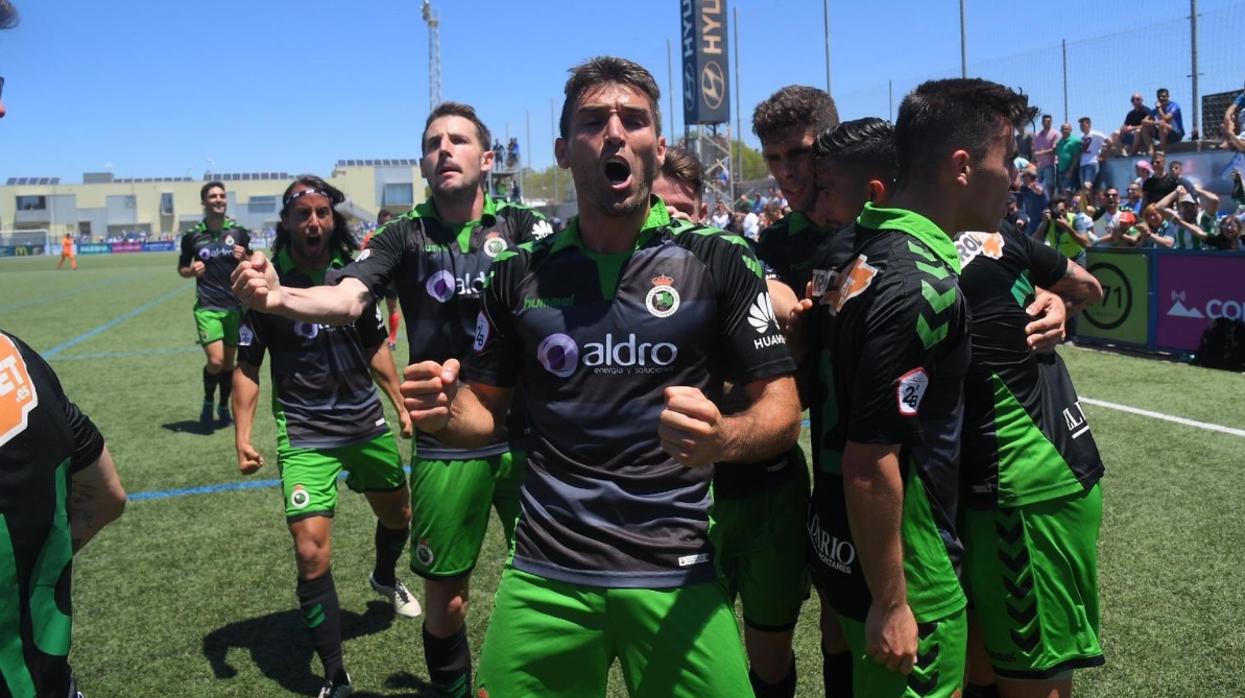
209	253
437	255
329	419
620	332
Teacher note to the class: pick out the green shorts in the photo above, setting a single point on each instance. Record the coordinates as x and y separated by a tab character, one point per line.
450	506
309	475
762	557
217	325
940	660
552	639
1032	574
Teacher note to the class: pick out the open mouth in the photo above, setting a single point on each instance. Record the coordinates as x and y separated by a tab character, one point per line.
618	172
314	243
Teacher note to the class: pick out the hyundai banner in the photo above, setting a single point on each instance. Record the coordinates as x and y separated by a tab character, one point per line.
1194	289
706	93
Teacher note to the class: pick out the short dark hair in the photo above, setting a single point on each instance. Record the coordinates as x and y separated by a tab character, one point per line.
941	116
1047	116
683	166
203	191
8	15
866	144
341	241
794	106
603	70
1162	91
466	111
1084	120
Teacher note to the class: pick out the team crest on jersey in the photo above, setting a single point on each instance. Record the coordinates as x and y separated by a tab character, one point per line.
229	240
423	553
300	497
18	395
494	245
852	283
972	245
911	391
363	255
662	299
306	330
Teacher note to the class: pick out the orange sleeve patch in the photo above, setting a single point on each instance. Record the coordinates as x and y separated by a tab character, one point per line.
18	395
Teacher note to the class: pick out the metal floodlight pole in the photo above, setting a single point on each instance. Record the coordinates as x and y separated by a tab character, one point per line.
737	148
434	53
963	44
1064	44
825	19
1197	126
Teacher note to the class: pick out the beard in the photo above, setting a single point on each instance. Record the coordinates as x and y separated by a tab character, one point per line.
615	203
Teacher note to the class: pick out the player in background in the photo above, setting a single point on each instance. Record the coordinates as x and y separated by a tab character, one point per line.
620	332
67	252
209	253
760	531
391	293
898	352
438	255
1032	506
329	419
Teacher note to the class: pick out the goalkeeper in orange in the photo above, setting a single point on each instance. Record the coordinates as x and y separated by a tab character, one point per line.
67	252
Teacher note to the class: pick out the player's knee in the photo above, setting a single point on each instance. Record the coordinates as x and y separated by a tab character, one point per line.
215	364
312	554
832	639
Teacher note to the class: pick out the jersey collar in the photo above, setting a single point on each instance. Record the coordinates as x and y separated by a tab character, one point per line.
913	224
798	223
428	209
203	227
658	218
285	265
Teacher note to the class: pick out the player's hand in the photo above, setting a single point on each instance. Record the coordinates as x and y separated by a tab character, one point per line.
1049	326
197	268
428	392
255	283
249	460
890	637
404	420
690	427
239	252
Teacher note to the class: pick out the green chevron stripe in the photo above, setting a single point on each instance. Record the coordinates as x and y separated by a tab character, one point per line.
931	335
938	301
934	270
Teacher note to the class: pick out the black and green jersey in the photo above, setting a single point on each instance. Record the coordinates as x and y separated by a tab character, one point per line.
1026	438
215	292
897	355
439	269
592	341
323	394
44	439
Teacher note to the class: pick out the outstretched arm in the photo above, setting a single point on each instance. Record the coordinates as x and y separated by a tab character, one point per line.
255	283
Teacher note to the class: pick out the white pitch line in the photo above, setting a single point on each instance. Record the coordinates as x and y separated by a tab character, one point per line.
1165	417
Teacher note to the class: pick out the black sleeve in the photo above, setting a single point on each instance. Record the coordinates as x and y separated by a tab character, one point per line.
371	327
243	237
252	338
188	252
1046	265
496	350
378	265
898	336
532	227
754	344
88	442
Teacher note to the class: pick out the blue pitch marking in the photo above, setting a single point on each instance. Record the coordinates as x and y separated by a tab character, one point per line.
42	300
112	323
241	485
129	354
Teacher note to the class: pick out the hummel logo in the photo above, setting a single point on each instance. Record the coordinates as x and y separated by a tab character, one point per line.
761	314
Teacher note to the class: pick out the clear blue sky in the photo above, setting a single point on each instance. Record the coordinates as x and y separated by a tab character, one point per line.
159	87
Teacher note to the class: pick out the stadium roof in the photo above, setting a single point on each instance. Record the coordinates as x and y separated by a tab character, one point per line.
244	176
18	181
397	162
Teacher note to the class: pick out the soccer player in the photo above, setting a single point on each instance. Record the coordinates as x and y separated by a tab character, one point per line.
58	488
756	505
1030	469
437	255
898	352
209	253
391	293
620	332
329	418
67	252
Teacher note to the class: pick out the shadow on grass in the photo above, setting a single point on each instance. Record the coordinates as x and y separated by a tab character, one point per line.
280	645
190	426
410	685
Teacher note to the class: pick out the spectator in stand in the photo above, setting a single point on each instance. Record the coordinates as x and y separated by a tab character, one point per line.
499	151
743	204
1234	124
1015	216
1058	230
1238	191
1227	235
1165	124
1091	152
1106	218
1176	170
751	225
721	215
1132	138
1144	170
1044	154
1024	144
1151	229
1032	200
1068	158
1192	221
1133	202
1121	231
1161	183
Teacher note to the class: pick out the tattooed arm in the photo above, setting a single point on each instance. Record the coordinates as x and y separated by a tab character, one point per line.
96	499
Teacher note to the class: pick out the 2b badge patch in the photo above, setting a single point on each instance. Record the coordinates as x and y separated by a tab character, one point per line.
17	392
911	391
